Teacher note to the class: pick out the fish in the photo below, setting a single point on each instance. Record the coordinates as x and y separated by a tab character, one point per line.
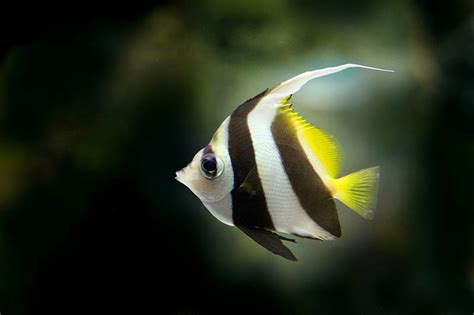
267	171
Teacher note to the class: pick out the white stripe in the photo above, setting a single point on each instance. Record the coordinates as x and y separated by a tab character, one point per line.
222	209
283	205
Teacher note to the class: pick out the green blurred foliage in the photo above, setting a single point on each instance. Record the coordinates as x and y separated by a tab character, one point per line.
98	115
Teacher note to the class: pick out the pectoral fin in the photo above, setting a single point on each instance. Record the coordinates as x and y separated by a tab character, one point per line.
271	241
251	184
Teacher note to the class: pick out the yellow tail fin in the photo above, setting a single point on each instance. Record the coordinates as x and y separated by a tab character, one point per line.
358	191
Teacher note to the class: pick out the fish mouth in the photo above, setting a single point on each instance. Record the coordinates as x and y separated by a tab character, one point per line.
177	177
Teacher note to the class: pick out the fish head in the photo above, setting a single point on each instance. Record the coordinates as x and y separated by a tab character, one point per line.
209	175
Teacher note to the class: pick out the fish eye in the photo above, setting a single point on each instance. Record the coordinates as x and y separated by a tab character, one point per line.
211	166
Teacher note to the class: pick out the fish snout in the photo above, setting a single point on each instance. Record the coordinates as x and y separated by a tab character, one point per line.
179	174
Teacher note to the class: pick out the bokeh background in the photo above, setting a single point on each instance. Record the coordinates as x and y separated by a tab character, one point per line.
101	104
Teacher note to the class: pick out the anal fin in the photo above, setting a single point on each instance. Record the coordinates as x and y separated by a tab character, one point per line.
271	241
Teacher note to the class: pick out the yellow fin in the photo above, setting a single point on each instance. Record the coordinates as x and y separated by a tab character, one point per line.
358	191
323	146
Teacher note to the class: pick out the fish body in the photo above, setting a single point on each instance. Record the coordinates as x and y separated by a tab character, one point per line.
268	170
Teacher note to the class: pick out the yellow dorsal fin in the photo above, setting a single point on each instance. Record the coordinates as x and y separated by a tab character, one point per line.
321	144
358	190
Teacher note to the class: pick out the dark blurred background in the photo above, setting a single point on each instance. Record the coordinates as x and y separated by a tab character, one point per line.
101	104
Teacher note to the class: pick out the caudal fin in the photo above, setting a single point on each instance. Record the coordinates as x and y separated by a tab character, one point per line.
358	191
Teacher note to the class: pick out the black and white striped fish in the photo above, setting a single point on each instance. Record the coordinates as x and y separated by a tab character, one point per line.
267	170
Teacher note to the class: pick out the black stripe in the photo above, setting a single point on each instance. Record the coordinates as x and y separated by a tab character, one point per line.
249	208
312	194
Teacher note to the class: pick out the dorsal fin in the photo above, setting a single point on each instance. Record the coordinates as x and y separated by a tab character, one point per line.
272	98
294	84
320	144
